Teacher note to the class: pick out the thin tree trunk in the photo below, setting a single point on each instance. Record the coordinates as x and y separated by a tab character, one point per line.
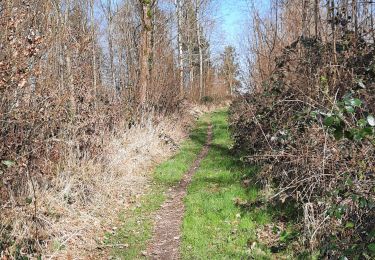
316	17
191	66
355	17
70	83
110	43
197	5
60	47
93	41
68	63
180	51
145	51
304	17
372	23
333	27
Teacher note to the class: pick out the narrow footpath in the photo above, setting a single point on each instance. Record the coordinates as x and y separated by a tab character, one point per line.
165	242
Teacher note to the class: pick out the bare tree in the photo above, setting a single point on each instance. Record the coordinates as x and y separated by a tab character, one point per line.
198	4
145	11
178	4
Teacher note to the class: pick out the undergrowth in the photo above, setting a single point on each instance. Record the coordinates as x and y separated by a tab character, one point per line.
310	128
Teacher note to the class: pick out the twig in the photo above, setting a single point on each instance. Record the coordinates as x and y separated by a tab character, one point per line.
260	127
64	242
316	230
113	245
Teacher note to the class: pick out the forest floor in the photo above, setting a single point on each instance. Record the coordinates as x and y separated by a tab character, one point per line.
194	209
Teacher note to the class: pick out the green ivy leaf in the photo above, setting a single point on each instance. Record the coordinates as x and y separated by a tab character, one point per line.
356	102
314	114
350	109
362	123
347	100
362	202
329	121
371	247
349	224
371	120
358	137
28	200
371	204
358	134
338	134
366	131
349	135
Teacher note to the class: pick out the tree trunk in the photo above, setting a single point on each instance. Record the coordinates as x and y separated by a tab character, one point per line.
180	51
372	23
70	84
93	46
197	5
316	17
145	50
304	18
355	17
69	70
191	65
333	28
110	43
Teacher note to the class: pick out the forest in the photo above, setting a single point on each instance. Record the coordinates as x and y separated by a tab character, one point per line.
135	129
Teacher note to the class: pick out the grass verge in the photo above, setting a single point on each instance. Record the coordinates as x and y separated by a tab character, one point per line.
215	225
130	240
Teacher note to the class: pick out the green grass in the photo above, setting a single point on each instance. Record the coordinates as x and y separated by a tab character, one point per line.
214	226
137	222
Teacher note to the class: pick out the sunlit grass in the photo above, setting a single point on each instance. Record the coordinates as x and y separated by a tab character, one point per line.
214	227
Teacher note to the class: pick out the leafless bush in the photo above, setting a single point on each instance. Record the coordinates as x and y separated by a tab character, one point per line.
309	124
71	77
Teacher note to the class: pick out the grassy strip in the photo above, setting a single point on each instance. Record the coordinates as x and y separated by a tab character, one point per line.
214	226
137	222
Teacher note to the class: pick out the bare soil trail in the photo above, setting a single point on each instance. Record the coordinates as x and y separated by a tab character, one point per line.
165	242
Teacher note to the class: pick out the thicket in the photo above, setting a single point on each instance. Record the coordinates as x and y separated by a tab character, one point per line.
309	122
74	74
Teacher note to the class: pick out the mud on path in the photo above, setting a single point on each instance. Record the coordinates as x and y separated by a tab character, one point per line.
165	242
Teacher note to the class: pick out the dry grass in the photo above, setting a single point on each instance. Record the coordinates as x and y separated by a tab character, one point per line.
77	206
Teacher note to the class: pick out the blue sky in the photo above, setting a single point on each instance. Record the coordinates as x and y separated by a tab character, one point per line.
234	17
233	23
233	14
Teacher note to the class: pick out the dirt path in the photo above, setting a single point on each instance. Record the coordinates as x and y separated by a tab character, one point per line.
165	242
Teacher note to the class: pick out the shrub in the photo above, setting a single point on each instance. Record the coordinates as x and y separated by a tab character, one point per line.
311	128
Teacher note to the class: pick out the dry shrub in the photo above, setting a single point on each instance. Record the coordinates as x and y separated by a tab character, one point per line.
69	86
82	201
310	128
